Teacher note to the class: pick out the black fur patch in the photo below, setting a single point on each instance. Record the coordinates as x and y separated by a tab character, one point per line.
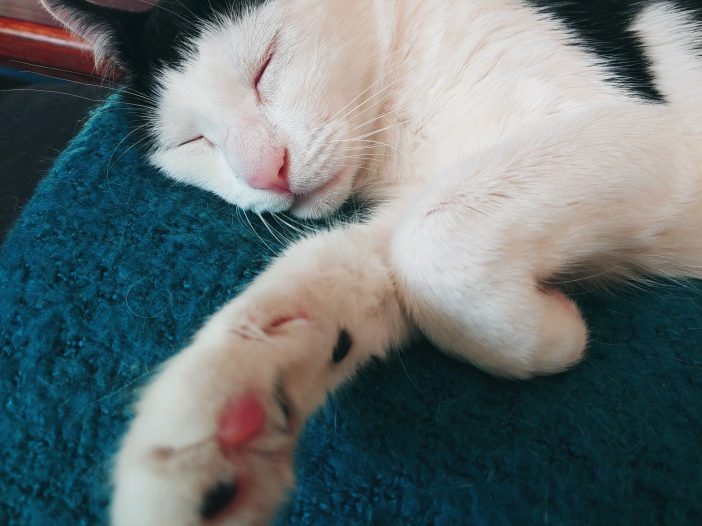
603	28
343	346
217	498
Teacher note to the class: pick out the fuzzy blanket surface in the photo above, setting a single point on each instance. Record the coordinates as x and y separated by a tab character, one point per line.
112	268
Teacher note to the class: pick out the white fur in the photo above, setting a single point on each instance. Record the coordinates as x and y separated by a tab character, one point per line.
502	157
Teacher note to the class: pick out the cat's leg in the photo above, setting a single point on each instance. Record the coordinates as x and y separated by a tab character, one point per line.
213	434
613	187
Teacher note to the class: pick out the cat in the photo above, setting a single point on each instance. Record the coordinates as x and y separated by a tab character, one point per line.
506	143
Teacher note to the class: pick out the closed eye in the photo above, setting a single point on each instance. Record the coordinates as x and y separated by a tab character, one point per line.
193	140
261	71
264	66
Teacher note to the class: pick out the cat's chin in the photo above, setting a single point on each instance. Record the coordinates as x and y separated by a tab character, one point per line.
325	200
314	211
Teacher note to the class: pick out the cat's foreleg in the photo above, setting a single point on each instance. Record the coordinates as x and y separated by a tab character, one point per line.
475	258
213	434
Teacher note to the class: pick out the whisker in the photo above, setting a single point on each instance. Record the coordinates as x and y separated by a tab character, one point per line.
284	242
370	148
137	143
377	118
307	226
76	96
159	6
367	156
291	226
381	143
103	82
114	151
237	210
99	81
377	102
381	79
374	132
246	216
35	90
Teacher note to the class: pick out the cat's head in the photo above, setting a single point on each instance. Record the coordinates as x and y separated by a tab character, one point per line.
254	100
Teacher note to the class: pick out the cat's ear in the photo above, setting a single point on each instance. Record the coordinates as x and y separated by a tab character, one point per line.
115	34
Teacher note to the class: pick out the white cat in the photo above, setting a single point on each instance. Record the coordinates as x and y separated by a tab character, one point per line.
505	142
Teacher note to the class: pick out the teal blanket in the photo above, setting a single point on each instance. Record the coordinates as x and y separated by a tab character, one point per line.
112	267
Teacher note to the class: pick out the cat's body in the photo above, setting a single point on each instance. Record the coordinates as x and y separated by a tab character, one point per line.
507	143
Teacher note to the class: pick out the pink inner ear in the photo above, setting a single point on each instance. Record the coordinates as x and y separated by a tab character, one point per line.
241	421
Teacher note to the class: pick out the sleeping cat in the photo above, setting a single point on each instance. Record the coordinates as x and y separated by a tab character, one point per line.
506	144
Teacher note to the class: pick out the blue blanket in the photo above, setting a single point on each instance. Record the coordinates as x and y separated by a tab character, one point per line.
112	267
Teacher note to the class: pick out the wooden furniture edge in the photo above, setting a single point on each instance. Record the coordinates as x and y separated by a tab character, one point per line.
48	50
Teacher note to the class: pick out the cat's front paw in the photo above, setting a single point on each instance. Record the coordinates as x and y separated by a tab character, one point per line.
213	436
214	433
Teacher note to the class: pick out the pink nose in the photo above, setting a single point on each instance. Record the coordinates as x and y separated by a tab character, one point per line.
271	173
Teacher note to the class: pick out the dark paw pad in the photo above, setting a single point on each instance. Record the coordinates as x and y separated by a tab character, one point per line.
343	346
217	498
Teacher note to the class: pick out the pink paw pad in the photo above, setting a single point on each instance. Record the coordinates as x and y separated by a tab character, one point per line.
240	422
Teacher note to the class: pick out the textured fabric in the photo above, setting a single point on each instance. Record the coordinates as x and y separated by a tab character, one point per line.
112	267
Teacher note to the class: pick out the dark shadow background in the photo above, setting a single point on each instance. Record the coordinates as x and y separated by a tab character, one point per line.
38	117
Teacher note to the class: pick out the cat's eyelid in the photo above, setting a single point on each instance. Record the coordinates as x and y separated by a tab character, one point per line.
192	140
262	70
266	61
271	47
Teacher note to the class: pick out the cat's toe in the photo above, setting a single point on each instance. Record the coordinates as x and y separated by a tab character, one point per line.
236	474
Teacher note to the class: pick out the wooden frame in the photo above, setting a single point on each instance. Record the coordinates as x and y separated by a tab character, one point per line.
45	49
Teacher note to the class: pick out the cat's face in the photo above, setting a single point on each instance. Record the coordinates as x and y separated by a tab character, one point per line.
256	100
